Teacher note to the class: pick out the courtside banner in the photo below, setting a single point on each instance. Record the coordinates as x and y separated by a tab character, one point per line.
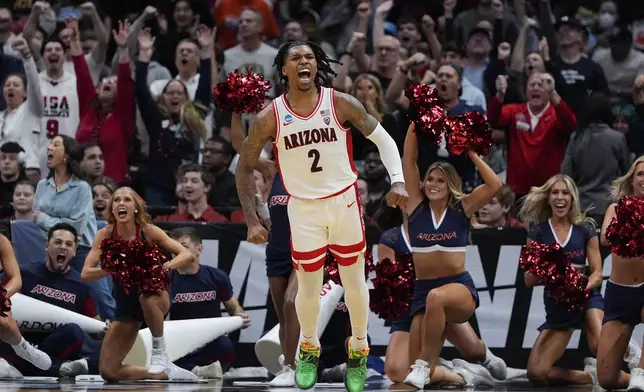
507	318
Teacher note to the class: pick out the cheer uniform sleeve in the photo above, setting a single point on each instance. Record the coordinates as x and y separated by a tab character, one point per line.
535	233
224	285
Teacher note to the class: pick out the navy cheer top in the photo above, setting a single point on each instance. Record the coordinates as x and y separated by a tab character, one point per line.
575	243
279	238
448	233
393	239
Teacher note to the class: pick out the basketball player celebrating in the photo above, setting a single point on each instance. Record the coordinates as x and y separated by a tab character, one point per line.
127	219
9	332
313	151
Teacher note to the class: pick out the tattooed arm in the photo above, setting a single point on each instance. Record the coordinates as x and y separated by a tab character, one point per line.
350	110
262	129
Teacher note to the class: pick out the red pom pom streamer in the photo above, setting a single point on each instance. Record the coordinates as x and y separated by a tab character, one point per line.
5	303
393	287
136	266
625	233
469	131
563	283
426	111
331	267
241	93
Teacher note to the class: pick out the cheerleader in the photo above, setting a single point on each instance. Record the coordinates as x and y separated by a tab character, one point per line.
623	298
444	292
392	246
552	214
128	220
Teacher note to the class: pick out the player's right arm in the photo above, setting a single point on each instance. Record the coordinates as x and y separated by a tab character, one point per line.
262	129
10	267
91	270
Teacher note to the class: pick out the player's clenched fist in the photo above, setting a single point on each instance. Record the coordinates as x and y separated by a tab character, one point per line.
257	234
397	196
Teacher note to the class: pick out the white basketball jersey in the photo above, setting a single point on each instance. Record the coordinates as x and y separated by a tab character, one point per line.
314	153
61	111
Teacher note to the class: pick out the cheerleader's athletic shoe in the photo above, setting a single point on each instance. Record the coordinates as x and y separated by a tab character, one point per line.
8	372
209	372
158	362
174	372
32	355
284	379
637	380
419	375
495	365
633	355
474	375
590	367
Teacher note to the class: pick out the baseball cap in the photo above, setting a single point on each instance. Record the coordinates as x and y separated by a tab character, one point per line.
569	21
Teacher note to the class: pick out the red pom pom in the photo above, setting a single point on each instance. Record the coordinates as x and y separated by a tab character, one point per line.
625	232
426	111
241	93
393	287
562	281
5	303
135	266
331	267
469	131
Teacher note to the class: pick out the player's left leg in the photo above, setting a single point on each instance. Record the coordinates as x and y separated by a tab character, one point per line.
347	243
10	334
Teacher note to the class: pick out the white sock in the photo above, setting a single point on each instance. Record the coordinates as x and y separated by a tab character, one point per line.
158	343
21	346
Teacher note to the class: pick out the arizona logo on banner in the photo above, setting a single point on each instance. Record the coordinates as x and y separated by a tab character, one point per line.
507	318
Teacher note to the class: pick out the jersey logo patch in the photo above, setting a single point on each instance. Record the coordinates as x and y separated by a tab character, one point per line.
326	116
287	119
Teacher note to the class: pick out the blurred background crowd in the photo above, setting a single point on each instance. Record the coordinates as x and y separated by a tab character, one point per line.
119	93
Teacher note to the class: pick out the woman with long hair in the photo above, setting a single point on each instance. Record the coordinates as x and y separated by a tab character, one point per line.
21	119
107	110
623	298
368	90
65	196
437	235
552	215
175	124
128	220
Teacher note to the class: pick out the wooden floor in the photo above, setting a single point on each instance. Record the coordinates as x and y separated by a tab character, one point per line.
47	385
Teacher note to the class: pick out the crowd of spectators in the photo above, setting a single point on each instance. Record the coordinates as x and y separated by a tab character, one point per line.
98	94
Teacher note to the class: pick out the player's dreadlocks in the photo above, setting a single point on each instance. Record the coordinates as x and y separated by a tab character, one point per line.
325	74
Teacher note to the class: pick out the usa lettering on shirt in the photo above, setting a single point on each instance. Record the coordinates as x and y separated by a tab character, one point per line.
54	294
56	106
203	296
310	136
436	236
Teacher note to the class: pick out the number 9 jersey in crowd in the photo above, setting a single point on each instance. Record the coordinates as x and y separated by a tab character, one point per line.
314	157
61	113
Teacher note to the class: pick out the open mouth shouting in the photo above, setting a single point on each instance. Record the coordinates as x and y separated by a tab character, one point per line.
560	207
61	258
50	157
121	212
304	75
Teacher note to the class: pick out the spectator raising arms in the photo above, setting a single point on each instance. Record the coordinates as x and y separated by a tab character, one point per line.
176	124
108	112
21	119
64	196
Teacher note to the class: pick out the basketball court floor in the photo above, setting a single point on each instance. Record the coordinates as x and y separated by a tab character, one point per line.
33	385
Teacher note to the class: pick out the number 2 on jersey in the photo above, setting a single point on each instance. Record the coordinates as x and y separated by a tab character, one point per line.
52	129
315	166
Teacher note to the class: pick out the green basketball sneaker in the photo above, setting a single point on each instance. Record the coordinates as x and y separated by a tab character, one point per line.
356	374
306	371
